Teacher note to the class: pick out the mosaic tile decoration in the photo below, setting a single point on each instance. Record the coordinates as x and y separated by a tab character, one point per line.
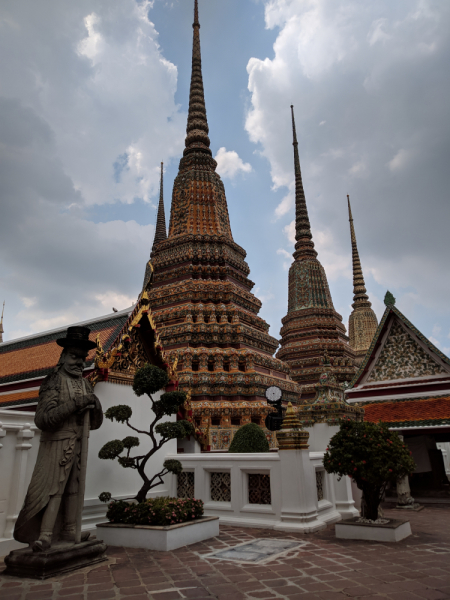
257	551
402	358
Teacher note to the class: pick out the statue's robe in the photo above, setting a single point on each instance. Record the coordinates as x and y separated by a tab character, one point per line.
59	451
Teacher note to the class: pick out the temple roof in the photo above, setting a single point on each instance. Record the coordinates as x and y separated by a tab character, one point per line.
419	412
399	352
34	356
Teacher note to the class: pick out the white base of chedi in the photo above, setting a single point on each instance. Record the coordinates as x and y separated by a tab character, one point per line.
163	538
392	531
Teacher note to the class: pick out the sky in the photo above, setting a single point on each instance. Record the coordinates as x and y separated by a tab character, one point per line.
94	95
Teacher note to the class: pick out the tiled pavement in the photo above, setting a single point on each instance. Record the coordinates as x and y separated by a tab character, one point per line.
324	569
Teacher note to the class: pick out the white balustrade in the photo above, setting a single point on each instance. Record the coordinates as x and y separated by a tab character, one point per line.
293	489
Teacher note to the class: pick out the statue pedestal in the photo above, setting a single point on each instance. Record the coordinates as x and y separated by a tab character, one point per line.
61	558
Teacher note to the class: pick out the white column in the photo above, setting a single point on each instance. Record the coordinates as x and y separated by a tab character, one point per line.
18	484
298	493
345	505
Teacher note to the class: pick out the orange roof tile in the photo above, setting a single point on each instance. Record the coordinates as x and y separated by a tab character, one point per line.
417	411
14	397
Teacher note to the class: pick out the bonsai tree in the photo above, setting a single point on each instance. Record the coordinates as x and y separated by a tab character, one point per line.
249	438
147	380
372	456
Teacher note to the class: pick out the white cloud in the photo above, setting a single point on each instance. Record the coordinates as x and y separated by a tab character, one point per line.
287	258
229	163
286	204
289	232
400	160
436	330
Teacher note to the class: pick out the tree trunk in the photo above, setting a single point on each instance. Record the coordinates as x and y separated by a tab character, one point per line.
142	493
372	499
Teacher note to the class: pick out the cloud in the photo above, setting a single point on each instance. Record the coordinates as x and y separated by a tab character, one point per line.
229	163
377	77
84	95
287	258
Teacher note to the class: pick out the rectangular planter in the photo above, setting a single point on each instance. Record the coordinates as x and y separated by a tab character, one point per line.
152	537
394	531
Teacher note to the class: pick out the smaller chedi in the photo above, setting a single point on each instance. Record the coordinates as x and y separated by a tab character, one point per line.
329	405
362	323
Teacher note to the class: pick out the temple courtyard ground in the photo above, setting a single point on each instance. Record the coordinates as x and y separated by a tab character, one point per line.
322	569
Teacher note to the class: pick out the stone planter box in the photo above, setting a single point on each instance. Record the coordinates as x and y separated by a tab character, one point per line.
163	538
394	531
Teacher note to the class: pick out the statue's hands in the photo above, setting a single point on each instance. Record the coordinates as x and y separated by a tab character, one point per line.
82	402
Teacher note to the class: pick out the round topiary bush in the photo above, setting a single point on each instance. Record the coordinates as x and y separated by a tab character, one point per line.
249	438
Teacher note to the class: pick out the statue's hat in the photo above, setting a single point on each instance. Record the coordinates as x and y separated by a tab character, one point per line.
77	337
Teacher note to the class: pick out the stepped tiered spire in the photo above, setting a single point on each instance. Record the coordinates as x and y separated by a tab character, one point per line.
303	235
362	323
200	293
1	324
312	330
160	231
197	130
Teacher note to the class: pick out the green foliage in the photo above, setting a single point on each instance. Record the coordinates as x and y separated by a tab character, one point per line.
169	403
173	466
149	380
130	442
155	511
372	456
177	430
249	438
104	497
127	462
120	413
389	299
111	450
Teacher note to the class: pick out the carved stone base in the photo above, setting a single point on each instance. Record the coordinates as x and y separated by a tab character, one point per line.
60	558
414	506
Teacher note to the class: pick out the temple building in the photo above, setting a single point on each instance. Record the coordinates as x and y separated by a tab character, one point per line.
200	294
404	381
312	329
362	323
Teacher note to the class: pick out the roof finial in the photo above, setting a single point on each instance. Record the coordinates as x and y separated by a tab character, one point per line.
1	324
197	129
160	231
359	287
303	235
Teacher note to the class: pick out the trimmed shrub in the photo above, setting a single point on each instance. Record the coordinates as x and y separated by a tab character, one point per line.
249	438
372	456
155	511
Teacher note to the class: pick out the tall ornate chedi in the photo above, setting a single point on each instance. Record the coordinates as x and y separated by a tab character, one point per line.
160	230
312	329
362	323
200	294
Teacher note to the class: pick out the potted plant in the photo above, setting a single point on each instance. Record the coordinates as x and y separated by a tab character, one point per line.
373	456
153	523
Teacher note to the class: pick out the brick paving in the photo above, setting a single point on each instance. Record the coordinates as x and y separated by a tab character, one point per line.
324	569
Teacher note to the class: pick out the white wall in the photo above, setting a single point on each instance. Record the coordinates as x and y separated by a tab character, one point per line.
19	443
444	447
290	509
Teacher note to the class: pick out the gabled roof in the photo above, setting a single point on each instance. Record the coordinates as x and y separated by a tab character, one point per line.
35	355
420	412
415	336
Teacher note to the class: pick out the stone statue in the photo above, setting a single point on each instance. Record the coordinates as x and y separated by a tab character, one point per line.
52	506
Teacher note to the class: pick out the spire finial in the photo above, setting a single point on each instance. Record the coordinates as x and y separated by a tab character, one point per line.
303	235
1	324
360	296
197	129
196	21
160	231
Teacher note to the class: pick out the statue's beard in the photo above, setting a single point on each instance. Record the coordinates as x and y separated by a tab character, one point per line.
75	371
